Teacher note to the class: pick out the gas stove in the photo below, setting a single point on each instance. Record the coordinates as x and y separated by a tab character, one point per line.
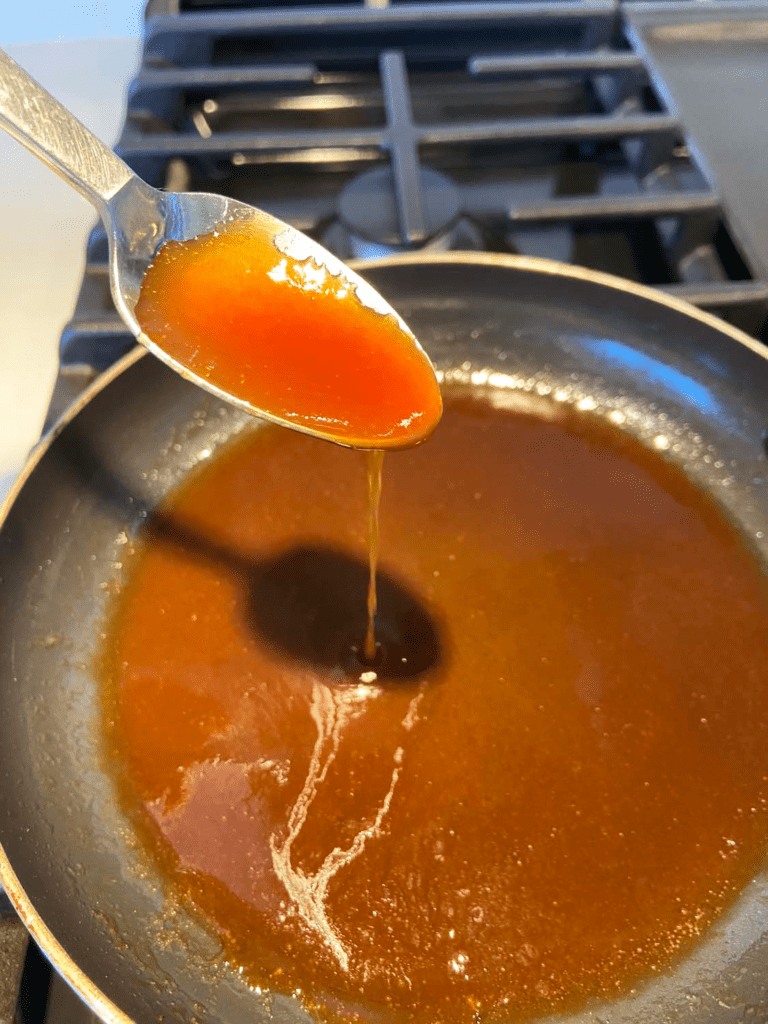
613	136
538	128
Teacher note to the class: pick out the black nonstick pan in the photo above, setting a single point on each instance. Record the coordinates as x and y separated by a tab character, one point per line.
681	381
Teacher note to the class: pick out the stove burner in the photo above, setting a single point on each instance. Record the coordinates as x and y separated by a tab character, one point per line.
369	209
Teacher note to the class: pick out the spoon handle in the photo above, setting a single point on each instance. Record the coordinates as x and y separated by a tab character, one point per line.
39	122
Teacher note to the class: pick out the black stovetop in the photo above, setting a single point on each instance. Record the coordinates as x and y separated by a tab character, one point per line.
514	127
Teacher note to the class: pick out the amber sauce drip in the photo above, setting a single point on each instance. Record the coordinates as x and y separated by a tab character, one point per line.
374	467
290	338
556	783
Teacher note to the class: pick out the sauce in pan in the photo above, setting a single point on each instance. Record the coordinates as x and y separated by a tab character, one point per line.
291	338
548	788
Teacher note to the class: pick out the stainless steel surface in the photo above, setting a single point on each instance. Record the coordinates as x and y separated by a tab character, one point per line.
44	231
30	114
710	62
526	330
140	219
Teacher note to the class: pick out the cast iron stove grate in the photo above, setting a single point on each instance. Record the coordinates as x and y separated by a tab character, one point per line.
531	128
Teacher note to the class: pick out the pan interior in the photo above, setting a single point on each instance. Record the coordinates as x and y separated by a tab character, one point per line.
522	335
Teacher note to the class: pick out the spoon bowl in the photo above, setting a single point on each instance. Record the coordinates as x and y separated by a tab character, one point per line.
140	220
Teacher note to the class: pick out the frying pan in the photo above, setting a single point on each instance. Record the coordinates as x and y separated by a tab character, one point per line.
528	330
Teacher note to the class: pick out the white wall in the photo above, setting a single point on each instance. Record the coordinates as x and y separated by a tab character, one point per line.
32	21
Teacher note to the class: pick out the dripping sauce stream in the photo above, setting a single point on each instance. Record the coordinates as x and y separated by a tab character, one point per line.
374	463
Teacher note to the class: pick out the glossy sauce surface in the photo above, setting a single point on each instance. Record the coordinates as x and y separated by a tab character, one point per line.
556	782
290	338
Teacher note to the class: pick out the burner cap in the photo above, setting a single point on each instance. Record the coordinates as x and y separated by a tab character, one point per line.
368	206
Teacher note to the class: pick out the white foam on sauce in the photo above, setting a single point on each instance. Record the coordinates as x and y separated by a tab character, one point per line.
412	715
409	419
331	710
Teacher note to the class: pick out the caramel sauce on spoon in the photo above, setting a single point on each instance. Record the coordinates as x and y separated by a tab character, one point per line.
286	331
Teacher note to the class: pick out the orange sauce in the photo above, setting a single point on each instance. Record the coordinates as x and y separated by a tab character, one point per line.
290	338
374	467
555	784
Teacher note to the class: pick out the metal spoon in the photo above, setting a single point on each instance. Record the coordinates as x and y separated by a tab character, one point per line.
140	219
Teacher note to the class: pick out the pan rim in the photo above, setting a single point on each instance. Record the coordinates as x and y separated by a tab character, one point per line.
63	963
